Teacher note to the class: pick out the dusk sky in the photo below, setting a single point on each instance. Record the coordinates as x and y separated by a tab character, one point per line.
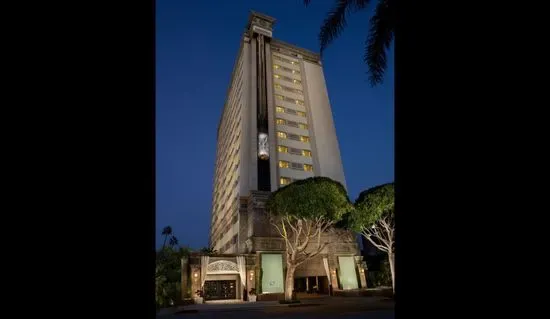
196	46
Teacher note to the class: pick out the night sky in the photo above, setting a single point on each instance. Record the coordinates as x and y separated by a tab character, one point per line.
196	47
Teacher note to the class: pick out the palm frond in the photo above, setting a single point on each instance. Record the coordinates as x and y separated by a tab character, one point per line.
382	25
335	22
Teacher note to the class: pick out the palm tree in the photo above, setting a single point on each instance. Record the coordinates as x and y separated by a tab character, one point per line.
166	231
380	36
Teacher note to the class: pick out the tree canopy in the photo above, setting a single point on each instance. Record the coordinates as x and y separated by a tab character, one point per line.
371	205
315	197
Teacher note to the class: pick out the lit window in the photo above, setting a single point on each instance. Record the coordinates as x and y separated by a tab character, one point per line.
296	81
281	122
308	168
275	66
299	102
277	76
285	180
281	134
304	139
300	113
292	62
306	153
283	164
277	86
279	97
293	71
282	149
303	126
279	109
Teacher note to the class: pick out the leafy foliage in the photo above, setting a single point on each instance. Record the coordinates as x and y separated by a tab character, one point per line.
168	270
315	197
380	278
208	250
372	205
380	36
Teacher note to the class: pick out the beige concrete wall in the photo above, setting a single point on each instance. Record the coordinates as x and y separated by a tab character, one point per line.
321	125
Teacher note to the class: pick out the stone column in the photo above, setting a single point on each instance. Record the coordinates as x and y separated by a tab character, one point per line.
361	271
184	278
195	278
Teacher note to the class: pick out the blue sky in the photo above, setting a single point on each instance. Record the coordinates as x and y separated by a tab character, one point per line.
196	47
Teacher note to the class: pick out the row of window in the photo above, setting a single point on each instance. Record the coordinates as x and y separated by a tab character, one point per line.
289	99
276	57
294	151
297	166
289	89
291	123
279	67
295	137
286	78
280	109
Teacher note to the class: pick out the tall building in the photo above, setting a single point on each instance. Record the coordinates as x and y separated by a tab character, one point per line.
276	127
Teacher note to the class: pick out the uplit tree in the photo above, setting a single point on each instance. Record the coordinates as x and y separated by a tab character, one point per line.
374	218
379	38
303	212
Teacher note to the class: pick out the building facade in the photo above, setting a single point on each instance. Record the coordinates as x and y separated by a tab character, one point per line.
276	128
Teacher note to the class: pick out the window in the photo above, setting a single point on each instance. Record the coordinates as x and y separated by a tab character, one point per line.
300	102
306	153
282	149
281	134
308	168
275	66
300	113
279	97
297	166
303	126
277	86
295	151
295	137
291	111
292	123
279	109
277	76
304	139
283	164
297	81
284	180
292	62
281	122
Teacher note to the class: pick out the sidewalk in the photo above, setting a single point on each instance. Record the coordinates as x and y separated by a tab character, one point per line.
243	306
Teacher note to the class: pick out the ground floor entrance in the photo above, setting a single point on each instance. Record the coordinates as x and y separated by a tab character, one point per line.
220	289
312	284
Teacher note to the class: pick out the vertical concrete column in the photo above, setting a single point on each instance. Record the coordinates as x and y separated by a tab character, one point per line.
184	278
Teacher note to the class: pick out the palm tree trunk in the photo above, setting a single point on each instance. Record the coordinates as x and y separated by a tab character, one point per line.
289	282
391	257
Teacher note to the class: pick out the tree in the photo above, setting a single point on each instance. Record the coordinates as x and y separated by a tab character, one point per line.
380	36
374	218
302	212
168	269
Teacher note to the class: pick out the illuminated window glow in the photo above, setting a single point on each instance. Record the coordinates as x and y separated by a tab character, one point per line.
281	122
279	97
308	168
282	149
281	134
304	139
303	126
283	164
280	109
300	113
306	153
285	180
